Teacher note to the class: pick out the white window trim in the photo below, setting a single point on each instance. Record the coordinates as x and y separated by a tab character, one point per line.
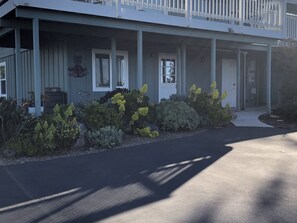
3	95
169	56
126	69
95	88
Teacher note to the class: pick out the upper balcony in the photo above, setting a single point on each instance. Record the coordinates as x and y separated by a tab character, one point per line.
254	17
265	18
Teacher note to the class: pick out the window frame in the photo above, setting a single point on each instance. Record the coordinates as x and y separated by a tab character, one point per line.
167	56
126	69
5	80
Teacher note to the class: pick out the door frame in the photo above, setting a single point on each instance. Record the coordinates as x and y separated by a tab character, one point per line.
166	56
235	80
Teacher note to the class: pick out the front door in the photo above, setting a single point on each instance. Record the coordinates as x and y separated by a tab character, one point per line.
229	71
167	75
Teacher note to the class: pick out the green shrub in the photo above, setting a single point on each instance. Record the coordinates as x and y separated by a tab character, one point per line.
176	116
147	132
106	137
108	95
14	121
58	130
176	97
9	118
209	106
98	115
133	107
23	146
45	136
288	111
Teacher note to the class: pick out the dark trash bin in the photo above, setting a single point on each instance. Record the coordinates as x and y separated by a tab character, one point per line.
52	97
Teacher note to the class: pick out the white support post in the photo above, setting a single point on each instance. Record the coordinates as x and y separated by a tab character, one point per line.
213	62
238	79
184	69
118	8
241	12
37	69
165	7
188	8
268	97
114	75
18	63
179	71
284	18
139	59
244	79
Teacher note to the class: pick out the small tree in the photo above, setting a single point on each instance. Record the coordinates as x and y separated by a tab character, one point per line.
284	68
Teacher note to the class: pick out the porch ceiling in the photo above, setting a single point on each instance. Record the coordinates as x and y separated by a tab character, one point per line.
88	20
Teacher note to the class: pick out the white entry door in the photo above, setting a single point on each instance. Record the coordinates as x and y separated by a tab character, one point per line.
167	75
229	81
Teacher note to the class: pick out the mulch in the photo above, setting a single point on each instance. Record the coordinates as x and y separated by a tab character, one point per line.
277	121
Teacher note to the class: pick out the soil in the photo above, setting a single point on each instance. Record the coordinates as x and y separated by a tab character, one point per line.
277	121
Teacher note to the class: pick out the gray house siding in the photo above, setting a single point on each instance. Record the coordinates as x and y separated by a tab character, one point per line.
58	56
198	68
53	69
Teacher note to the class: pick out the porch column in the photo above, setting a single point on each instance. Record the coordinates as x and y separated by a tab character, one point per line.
139	76
114	73
244	79
268	96
184	69
36	62
179	71
213	60
18	62
238	80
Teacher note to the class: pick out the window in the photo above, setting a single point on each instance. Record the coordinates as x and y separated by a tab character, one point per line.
168	73
102	70
3	92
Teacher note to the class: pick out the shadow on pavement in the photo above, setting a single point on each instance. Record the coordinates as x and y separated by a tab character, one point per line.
93	187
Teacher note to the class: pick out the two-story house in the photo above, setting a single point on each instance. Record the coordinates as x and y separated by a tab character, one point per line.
93	46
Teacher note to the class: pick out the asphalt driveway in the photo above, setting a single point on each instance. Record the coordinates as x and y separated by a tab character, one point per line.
221	175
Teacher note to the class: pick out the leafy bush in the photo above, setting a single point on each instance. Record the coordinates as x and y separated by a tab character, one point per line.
44	136
288	111
284	66
209	106
147	132
110	94
9	118
97	115
57	130
176	116
23	145
176	97
14	120
106	137
133	107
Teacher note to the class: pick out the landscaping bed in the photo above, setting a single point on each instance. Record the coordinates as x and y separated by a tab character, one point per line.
277	121
130	140
120	118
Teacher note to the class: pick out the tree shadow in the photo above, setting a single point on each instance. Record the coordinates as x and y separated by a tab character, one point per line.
113	182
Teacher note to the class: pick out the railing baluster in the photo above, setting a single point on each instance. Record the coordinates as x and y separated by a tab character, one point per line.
265	14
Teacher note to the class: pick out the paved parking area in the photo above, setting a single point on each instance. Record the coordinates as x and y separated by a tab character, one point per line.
221	175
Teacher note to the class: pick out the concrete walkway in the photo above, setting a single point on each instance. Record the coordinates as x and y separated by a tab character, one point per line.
249	118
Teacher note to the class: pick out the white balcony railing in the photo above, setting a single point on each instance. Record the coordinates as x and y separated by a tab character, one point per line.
264	14
292	26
